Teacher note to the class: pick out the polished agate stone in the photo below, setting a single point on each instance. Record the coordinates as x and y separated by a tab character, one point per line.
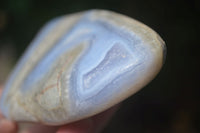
80	65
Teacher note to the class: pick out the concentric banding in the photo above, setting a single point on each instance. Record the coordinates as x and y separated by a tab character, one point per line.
80	65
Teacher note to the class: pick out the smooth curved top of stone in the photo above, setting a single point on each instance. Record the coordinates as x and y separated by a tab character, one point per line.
81	64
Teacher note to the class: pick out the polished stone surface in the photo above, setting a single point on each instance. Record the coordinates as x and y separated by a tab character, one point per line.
81	64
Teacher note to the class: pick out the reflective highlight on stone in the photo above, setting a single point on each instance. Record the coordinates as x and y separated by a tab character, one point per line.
81	64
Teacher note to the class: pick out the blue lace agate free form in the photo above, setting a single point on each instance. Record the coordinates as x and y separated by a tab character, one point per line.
80	65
